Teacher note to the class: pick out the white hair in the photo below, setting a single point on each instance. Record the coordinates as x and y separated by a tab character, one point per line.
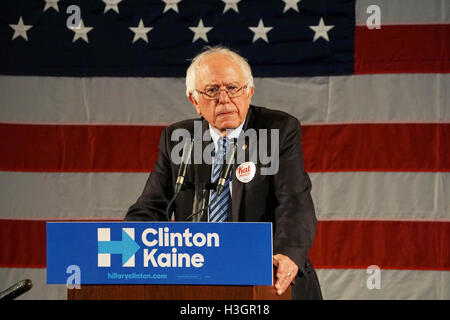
192	69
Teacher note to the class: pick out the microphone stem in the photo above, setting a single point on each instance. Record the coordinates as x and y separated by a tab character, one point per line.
170	204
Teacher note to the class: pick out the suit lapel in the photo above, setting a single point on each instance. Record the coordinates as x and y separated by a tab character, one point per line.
238	187
203	170
236	197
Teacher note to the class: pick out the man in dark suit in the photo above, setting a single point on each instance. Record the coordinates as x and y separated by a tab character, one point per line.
220	86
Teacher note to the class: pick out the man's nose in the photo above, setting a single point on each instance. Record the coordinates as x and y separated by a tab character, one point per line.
223	97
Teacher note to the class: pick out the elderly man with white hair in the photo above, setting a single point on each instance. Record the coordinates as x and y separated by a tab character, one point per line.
219	84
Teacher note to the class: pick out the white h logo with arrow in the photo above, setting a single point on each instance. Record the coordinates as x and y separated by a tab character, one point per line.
127	247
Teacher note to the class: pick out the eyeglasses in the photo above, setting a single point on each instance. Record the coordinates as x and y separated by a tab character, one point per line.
213	92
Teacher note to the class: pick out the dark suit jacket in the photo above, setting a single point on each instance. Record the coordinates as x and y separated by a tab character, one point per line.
283	199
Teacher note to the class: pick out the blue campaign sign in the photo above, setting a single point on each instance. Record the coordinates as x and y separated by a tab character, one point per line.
160	253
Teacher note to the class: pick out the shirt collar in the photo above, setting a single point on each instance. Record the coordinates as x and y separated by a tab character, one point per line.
230	134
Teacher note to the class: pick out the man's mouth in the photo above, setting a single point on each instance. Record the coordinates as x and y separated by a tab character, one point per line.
223	114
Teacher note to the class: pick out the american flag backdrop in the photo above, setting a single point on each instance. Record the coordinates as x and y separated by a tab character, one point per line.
82	109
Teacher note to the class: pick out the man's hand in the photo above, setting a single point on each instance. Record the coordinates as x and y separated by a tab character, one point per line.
285	273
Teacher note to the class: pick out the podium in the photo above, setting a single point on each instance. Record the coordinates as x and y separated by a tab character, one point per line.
162	260
175	292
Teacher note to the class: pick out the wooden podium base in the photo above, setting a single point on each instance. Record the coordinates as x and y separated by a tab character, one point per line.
175	292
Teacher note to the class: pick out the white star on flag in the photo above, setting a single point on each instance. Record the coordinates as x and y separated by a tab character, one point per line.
171	4
140	32
20	29
81	32
290	4
111	5
260	31
200	31
51	4
321	30
231	4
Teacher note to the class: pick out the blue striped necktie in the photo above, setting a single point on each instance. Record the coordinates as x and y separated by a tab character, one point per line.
220	208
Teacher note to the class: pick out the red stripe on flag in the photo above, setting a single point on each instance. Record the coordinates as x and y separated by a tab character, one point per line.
78	148
377	147
389	244
339	147
417	245
22	244
403	49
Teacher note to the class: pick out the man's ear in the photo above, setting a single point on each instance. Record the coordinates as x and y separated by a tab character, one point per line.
194	103
250	93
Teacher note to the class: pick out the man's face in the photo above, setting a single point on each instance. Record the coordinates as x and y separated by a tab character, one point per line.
224	112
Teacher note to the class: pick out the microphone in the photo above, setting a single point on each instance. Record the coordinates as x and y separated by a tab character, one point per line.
201	197
16	290
224	173
187	150
226	168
